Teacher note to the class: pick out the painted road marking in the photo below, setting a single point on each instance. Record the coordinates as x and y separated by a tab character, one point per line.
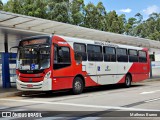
6	118
18	109
56	117
90	118
152	100
51	118
150	92
78	105
1	108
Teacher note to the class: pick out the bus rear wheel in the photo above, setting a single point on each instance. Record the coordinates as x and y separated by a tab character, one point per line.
128	81
78	86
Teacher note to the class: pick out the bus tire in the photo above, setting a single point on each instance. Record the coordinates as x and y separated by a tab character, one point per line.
128	81
78	86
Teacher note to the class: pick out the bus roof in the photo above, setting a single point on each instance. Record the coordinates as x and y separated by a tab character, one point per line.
97	42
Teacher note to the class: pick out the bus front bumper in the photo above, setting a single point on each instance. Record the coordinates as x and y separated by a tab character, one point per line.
45	85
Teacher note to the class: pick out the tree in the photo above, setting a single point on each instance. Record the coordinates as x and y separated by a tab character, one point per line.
110	17
101	16
1	5
121	23
91	16
149	28
115	23
58	10
130	25
154	16
155	36
77	9
139	18
36	8
13	6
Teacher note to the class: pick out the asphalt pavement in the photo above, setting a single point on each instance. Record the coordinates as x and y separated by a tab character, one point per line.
12	91
140	101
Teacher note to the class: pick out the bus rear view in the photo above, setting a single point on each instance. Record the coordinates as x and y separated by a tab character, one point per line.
33	64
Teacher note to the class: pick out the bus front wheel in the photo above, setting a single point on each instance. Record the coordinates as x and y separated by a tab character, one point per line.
128	81
77	85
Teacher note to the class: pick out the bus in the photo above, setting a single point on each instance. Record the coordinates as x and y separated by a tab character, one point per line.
53	62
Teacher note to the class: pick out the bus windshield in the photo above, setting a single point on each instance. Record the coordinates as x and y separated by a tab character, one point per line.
33	57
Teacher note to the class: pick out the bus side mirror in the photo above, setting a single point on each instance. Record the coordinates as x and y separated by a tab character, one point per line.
10	56
14	48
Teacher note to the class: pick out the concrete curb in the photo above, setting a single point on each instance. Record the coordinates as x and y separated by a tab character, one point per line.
10	94
152	79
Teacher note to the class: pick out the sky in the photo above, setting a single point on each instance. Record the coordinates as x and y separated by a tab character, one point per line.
128	7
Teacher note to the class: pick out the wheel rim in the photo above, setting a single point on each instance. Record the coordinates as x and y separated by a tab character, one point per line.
127	81
78	86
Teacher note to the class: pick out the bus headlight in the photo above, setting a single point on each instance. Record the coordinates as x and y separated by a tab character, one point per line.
18	76
48	75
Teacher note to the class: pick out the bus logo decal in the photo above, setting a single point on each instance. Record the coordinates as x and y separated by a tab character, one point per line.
98	68
107	69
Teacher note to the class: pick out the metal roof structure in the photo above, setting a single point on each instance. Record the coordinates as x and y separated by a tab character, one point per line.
22	26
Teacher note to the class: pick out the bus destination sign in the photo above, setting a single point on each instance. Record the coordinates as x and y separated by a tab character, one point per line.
33	42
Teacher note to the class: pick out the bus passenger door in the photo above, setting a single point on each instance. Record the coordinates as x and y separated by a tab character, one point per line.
106	72
62	67
91	63
107	69
91	70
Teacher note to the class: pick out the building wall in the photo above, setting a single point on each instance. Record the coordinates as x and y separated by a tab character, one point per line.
155	69
157	57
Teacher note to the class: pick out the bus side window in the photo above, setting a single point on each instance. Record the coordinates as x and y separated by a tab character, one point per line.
80	52
122	55
61	57
109	54
94	53
142	56
133	56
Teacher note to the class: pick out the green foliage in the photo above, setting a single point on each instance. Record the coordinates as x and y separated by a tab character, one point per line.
77	10
149	28
92	16
130	25
58	10
36	8
115	23
1	5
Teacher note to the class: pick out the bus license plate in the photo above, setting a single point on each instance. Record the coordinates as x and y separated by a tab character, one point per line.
29	86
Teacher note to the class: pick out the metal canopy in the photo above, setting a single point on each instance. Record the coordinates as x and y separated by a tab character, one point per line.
16	22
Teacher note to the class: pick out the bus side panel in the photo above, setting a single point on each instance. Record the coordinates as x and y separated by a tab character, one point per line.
135	72
62	83
122	80
78	70
139	72
63	77
122	70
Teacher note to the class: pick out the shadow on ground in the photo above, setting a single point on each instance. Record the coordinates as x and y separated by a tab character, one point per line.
51	94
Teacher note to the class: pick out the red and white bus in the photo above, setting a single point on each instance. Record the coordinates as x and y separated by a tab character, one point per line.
49	63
